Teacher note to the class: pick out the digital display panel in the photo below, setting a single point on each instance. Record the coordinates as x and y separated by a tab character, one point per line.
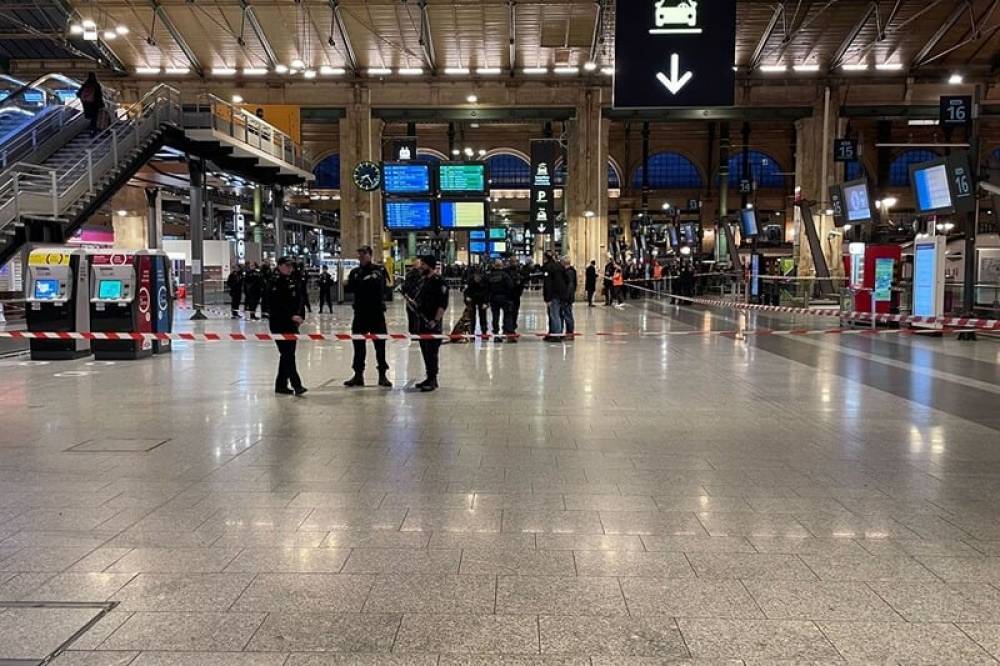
690	231
857	202
478	235
406	178
109	290
498	234
672	232
498	247
408	215
477	247
46	290
748	222
924	279
462	214
33	97
930	185
755	275
66	95
455	178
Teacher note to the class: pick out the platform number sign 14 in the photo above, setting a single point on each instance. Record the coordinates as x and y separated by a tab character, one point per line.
956	110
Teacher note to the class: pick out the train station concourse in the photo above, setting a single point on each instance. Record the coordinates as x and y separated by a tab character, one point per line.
495	332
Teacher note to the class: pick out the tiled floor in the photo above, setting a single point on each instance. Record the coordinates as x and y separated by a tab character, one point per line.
633	500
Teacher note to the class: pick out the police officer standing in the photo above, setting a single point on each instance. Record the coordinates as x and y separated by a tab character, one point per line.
429	307
253	288
286	317
501	291
519	281
367	282
325	283
235	285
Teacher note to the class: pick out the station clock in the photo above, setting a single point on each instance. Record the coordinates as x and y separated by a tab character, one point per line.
368	176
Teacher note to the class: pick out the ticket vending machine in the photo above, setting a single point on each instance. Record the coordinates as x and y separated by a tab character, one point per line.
871	269
156	264
115	306
56	291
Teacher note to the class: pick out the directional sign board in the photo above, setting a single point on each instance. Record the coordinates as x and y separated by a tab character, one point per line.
845	150
956	110
674	53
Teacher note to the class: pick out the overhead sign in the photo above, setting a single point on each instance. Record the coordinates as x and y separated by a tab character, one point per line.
956	110
543	156
675	53
963	185
240	223
845	150
404	149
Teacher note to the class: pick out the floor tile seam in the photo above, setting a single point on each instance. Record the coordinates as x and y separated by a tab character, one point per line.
395	635
868	585
977	643
264	618
968	535
236	599
828	639
756	602
802	561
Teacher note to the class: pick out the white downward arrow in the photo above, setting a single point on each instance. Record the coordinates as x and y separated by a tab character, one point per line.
676	81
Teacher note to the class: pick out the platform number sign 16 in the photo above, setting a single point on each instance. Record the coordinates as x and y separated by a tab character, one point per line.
956	110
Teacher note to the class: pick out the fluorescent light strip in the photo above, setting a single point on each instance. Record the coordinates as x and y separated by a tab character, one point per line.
857	67
379	71
889	67
806	68
178	71
410	71
254	71
456	71
489	71
773	68
567	70
608	71
145	71
326	70
223	71
535	70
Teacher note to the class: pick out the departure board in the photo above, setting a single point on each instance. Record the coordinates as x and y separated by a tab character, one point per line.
408	215
458	178
932	190
406	178
462	214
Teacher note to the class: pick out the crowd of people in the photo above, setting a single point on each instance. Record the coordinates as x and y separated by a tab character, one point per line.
249	285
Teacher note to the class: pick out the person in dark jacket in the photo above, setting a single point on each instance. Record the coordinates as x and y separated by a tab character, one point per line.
302	275
520	282
553	291
609	287
91	96
286	317
429	307
234	283
253	289
325	282
501	290
569	297
590	283
410	290
266	275
477	296
367	283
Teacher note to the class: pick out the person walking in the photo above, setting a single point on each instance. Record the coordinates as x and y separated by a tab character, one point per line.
367	283
253	289
286	317
501	291
429	308
590	282
325	282
553	291
91	96
234	283
569	297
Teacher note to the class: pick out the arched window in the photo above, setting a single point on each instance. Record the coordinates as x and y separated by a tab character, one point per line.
508	171
327	173
669	171
899	169
854	170
424	155
764	169
614	178
996	155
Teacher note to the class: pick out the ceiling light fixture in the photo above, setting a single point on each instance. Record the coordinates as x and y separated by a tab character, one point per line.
889	67
309	74
178	71
535	70
471	99
379	71
75	29
298	64
254	71
326	70
109	35
956	79
773	69
223	71
566	70
122	30
608	71
281	69
410	71
237	99
456	71
808	67
145	71
856	67
590	65
489	71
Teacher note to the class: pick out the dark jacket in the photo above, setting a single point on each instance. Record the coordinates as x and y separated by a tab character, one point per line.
325	282
91	108
253	283
235	282
590	283
433	296
570	294
477	292
285	302
367	283
501	286
517	279
554	286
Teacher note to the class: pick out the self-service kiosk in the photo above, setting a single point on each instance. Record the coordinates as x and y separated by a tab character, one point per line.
871	269
130	293
56	291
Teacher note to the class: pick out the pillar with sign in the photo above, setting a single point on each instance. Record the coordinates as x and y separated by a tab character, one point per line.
585	198
543	211
360	140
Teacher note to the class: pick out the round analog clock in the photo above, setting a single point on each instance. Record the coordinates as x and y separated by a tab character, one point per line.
368	176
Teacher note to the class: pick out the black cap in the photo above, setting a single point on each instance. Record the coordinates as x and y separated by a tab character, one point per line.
284	260
367	249
429	259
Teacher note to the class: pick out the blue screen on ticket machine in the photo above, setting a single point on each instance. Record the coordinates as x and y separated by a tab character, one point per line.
46	290
110	290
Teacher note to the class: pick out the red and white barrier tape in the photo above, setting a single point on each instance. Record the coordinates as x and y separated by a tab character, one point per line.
404	337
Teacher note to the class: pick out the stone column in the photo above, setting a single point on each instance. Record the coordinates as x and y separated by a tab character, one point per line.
154	228
278	212
814	173
586	195
360	139
196	210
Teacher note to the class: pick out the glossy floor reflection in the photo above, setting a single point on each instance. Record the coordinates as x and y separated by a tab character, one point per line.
607	501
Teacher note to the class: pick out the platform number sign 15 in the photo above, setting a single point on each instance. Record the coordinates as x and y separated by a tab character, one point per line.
845	150
956	110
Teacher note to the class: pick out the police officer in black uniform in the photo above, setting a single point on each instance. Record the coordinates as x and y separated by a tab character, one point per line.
286	316
429	307
325	283
501	291
367	282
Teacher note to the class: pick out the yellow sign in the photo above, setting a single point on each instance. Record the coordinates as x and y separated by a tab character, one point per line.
48	258
285	117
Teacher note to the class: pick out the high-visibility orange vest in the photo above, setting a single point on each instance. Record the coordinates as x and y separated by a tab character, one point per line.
618	280
657	271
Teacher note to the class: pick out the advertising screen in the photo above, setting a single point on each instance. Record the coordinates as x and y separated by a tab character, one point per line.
930	185
408	215
406	178
498	234
748	222
477	247
884	268
857	202
462	214
462	178
924	279
46	290
109	290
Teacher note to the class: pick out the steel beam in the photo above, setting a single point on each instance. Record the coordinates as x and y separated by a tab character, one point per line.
512	33
426	39
758	52
838	56
718	113
555	114
177	37
939	34
258	31
595	41
338	20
